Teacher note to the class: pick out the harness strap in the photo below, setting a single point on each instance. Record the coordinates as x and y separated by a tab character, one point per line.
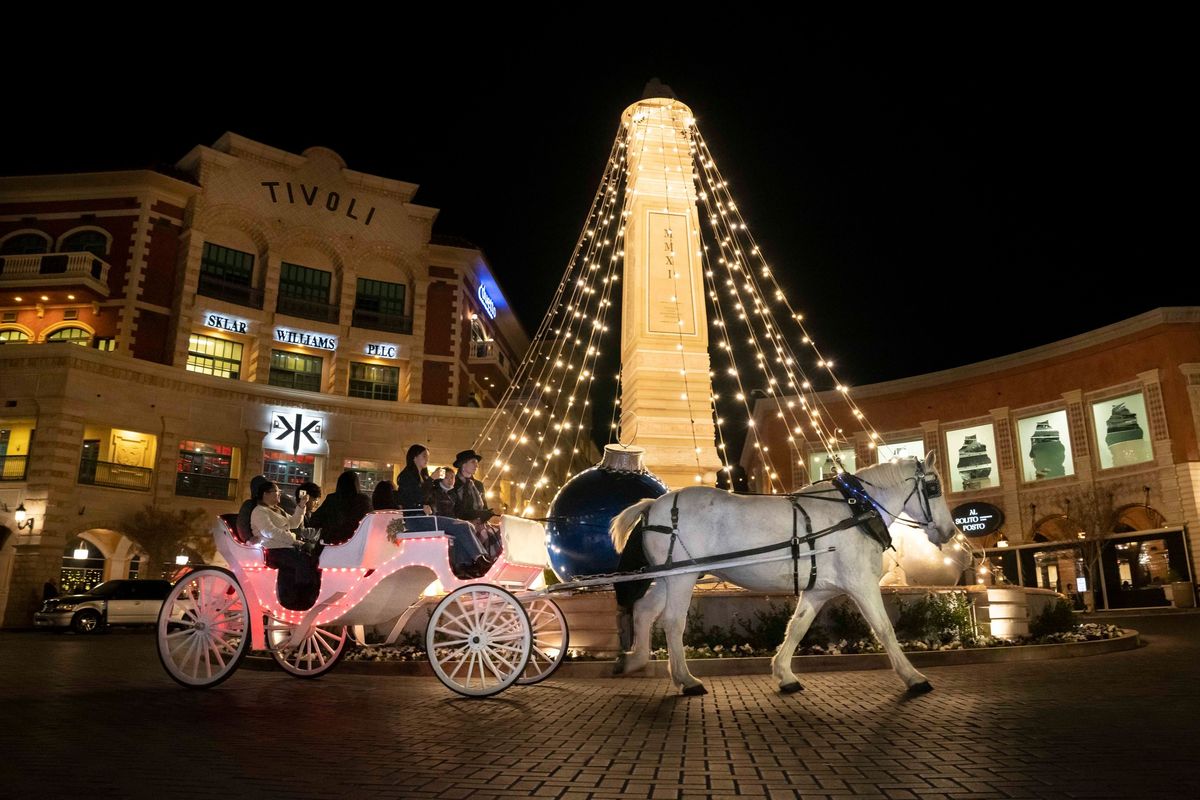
812	556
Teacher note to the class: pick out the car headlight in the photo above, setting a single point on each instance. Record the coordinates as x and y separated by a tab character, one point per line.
65	607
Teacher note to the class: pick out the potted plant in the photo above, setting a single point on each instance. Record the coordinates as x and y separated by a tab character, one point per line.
1179	590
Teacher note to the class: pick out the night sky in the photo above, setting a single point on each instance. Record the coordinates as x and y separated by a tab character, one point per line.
932	193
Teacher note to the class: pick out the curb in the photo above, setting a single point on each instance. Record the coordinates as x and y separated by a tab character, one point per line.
712	667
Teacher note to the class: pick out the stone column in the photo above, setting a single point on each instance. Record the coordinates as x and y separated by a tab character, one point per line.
665	385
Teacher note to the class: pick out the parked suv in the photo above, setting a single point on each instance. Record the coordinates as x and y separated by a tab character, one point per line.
108	603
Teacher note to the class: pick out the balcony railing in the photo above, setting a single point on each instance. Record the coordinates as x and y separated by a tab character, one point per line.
308	309
119	476
209	487
378	321
55	269
221	289
489	353
13	468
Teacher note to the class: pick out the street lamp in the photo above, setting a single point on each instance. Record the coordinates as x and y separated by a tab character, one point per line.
23	518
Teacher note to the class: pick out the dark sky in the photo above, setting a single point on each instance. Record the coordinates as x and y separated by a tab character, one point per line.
932	191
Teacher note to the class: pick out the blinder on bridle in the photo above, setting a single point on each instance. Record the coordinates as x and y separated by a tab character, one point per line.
926	486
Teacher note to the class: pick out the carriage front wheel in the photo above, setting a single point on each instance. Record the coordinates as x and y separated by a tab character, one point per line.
478	640
312	656
203	628
550	640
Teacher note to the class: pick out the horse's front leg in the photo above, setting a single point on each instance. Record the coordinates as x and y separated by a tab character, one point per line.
679	599
645	611
870	602
806	611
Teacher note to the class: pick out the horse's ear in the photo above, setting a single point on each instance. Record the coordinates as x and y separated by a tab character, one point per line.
931	459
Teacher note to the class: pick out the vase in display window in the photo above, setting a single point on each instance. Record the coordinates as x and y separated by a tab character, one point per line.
1125	439
1047	452
974	463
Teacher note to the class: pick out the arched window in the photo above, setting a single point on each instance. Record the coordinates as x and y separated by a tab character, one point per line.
72	334
80	574
1056	528
13	335
1137	517
93	242
24	244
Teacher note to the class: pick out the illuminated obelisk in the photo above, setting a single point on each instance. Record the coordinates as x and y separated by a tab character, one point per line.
665	382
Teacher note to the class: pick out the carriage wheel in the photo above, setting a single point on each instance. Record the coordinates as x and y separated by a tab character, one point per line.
550	640
313	656
203	628
478	640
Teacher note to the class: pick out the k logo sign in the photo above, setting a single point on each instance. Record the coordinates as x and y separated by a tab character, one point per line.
300	432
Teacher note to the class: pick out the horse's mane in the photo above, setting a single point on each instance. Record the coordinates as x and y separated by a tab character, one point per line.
888	474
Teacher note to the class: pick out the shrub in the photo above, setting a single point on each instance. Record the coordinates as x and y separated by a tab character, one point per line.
846	623
1056	618
936	618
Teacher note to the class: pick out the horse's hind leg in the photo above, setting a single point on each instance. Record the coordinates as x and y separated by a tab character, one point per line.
870	602
806	611
645	611
679	599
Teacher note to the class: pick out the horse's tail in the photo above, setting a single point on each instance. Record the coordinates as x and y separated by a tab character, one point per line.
622	524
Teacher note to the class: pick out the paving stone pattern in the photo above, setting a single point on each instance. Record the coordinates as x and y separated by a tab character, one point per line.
98	718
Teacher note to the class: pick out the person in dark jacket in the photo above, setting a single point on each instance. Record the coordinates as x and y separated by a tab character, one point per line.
243	521
410	483
466	558
439	493
341	512
314	499
471	504
384	497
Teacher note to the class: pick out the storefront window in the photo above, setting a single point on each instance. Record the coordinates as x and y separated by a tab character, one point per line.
1121	435
93	242
973	450
374	381
295	371
80	574
304	283
226	264
209	355
13	335
205	470
1045	445
821	464
370	472
899	450
288	469
72	334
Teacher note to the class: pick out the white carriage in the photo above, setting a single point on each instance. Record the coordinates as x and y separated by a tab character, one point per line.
483	636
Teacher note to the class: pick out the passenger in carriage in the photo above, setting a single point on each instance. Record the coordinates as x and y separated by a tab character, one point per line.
299	580
339	516
314	497
384	497
244	529
470	504
467	559
439	493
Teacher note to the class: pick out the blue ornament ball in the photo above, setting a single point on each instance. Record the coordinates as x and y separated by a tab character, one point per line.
577	535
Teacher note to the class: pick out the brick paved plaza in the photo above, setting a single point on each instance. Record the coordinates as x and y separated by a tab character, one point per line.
97	717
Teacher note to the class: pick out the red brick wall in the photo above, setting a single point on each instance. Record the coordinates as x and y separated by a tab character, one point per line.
150	338
158	284
435	383
439	319
1089	370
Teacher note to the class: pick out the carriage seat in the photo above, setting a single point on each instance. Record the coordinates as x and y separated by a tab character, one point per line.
231	527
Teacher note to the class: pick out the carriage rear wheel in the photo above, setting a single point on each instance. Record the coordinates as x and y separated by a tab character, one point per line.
313	655
478	640
203	628
550	640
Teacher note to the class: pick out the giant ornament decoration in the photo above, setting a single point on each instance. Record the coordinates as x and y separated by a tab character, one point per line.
577	535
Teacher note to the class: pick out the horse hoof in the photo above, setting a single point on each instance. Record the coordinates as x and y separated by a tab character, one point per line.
920	688
791	688
619	666
692	691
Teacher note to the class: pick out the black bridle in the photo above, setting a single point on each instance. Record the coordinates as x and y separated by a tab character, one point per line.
926	486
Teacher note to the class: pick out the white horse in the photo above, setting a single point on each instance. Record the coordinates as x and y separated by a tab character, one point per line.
713	522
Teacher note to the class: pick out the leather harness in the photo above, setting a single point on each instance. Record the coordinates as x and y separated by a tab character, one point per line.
863	515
